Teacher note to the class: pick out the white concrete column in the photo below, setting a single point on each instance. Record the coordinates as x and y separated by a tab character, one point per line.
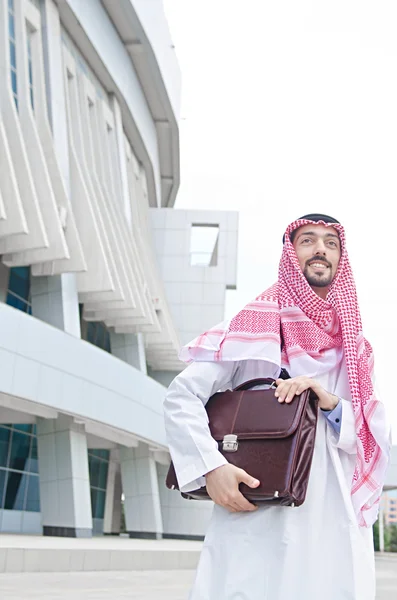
141	493
56	101
64	478
55	301
122	159
130	348
112	518
182	519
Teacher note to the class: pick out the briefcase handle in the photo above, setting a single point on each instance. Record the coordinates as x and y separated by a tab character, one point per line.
261	381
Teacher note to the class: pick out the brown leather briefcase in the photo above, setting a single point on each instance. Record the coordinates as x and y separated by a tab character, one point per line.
273	442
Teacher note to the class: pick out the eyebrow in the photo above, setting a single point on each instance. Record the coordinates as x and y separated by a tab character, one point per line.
315	234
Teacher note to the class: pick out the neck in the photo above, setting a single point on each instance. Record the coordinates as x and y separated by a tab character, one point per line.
321	291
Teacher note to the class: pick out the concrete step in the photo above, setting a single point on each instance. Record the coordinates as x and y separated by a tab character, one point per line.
31	554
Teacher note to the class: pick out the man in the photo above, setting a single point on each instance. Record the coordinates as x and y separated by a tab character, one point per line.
322	550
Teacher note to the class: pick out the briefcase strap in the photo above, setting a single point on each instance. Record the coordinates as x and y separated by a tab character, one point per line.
261	381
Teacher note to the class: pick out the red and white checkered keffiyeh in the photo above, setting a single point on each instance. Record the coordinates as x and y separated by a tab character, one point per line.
317	333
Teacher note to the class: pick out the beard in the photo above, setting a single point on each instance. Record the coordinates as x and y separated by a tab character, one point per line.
321	280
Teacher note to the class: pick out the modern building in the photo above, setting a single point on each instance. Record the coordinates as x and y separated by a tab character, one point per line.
101	280
390	508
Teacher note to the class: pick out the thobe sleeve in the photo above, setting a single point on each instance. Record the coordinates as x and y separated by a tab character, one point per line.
193	450
334	417
347	439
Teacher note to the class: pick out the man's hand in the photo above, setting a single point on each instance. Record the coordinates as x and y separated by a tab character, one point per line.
288	388
222	487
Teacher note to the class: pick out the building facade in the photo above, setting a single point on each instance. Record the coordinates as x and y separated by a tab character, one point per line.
390	508
100	278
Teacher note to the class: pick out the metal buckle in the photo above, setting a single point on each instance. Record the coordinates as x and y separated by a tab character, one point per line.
230	443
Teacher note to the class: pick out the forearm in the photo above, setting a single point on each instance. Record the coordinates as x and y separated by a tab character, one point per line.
193	450
326	400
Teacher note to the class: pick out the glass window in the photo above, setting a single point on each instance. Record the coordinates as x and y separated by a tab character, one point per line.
93	502
19	490
107	343
94	467
100	336
13	56
13	61
29	35
19	282
100	505
91	333
98	460
33	494
204	245
19	289
15	491
20	445
105	454
33	463
14	81
3	475
23	427
103	474
97	334
11	22
4	446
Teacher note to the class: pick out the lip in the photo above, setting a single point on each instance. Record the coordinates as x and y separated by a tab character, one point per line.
318	266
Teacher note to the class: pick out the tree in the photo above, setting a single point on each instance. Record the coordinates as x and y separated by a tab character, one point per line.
375	531
392	538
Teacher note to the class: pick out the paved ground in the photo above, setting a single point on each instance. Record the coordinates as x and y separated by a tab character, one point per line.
154	585
146	585
386	569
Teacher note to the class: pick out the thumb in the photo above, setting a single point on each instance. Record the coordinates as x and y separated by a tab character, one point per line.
248	479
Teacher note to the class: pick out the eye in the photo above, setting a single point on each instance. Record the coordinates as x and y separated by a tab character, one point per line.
332	243
306	240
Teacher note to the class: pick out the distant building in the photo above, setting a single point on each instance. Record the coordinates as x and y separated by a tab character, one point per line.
390	508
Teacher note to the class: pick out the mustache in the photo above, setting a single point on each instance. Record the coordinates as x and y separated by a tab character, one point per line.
318	260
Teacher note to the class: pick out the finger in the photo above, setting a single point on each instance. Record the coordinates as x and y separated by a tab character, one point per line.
280	388
230	507
282	391
243	504
291	393
244	477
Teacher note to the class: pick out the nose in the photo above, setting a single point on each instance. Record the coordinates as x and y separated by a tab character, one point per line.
320	248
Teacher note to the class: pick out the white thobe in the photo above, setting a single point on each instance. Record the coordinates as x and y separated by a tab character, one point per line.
313	552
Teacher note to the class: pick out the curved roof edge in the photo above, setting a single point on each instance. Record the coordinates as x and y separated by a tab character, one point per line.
143	28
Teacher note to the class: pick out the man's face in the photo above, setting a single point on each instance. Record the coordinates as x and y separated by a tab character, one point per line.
318	250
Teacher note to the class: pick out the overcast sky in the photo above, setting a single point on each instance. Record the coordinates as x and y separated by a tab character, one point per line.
291	107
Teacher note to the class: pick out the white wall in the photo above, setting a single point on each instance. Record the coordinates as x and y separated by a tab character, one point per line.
18	521
103	36
43	364
196	294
